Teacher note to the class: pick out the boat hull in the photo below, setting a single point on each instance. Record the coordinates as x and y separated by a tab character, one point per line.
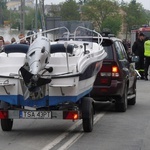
14	93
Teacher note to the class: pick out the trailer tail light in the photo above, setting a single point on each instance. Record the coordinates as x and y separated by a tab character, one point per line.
71	115
3	114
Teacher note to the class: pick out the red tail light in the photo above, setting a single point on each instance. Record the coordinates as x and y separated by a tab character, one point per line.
73	115
115	71
109	71
3	114
105	71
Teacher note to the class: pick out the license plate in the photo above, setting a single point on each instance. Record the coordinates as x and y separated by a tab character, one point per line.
35	114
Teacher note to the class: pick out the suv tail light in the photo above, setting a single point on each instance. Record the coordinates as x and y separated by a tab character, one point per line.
107	72
115	71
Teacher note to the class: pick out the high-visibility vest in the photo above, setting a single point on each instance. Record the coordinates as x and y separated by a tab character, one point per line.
147	48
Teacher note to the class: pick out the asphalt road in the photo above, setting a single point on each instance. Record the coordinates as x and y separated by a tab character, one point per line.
122	131
112	130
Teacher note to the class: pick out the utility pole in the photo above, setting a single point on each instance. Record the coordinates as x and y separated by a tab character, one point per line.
36	5
1	15
22	16
42	14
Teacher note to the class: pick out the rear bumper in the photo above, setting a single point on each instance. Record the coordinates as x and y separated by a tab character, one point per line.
103	93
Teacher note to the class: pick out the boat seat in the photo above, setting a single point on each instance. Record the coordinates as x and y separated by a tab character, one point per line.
59	48
16	48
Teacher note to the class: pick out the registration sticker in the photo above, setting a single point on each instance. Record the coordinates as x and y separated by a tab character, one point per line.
35	114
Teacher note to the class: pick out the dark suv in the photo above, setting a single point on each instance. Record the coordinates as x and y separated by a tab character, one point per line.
117	78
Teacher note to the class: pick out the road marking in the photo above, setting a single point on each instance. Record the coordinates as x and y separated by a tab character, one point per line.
62	136
73	139
70	142
77	136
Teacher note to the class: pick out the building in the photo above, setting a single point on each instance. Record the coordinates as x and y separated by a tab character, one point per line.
15	4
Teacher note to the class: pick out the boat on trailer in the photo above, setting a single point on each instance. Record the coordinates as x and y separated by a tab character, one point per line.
50	79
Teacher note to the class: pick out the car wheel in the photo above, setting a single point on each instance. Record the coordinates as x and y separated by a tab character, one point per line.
132	101
87	114
6	124
121	105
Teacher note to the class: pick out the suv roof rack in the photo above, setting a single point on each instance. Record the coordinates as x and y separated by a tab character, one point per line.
111	35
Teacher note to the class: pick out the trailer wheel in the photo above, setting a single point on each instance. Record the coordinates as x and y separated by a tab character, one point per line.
6	124
87	114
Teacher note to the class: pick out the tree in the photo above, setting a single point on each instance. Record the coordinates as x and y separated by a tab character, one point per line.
135	15
113	23
70	10
54	10
3	11
14	19
29	17
100	11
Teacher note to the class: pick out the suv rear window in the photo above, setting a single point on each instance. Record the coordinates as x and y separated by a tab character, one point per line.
108	50
107	44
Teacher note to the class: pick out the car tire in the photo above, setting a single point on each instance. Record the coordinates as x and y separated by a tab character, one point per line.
87	114
121	105
6	124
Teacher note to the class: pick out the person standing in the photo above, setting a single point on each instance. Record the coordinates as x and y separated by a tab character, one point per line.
13	40
22	39
147	57
138	50
2	42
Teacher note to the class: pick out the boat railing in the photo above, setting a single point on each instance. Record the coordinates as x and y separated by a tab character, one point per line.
44	33
100	38
67	35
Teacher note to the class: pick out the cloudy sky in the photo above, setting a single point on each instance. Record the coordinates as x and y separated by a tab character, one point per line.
145	3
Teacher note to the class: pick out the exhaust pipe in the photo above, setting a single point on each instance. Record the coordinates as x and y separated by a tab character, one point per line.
113	101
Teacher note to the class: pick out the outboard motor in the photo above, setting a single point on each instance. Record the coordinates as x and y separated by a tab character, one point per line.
37	55
37	59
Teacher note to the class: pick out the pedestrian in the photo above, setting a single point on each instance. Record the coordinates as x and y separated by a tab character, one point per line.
147	57
22	39
2	42
13	40
30	37
138	50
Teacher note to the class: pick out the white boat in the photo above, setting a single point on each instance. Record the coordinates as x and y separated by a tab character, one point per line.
50	75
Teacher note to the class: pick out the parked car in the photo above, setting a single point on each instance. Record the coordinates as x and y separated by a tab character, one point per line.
116	81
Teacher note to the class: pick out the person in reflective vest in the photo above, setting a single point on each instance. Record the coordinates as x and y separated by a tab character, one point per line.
147	57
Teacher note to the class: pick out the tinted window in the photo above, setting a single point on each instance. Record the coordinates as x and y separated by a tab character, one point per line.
123	49
119	51
107	44
109	52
